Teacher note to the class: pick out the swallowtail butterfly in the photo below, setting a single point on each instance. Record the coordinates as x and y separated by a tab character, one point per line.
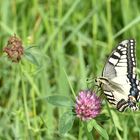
119	79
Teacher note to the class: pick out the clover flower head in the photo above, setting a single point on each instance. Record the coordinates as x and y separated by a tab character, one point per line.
88	105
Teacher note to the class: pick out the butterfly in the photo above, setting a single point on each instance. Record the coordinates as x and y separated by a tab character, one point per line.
119	79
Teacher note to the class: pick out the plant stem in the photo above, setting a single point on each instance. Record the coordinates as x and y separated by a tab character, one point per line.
89	134
80	130
24	100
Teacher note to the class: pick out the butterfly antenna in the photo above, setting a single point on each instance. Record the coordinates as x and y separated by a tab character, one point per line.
89	82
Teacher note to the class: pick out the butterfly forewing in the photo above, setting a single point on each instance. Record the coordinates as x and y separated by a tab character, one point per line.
122	60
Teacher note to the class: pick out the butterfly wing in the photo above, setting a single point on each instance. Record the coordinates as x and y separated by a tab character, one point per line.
122	61
120	76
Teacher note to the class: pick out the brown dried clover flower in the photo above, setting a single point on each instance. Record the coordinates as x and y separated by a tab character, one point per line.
14	49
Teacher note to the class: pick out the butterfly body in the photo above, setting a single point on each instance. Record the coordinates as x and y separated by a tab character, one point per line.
119	80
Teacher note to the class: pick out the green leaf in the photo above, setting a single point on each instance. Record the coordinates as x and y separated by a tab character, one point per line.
102	118
66	122
116	120
32	58
59	100
98	128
